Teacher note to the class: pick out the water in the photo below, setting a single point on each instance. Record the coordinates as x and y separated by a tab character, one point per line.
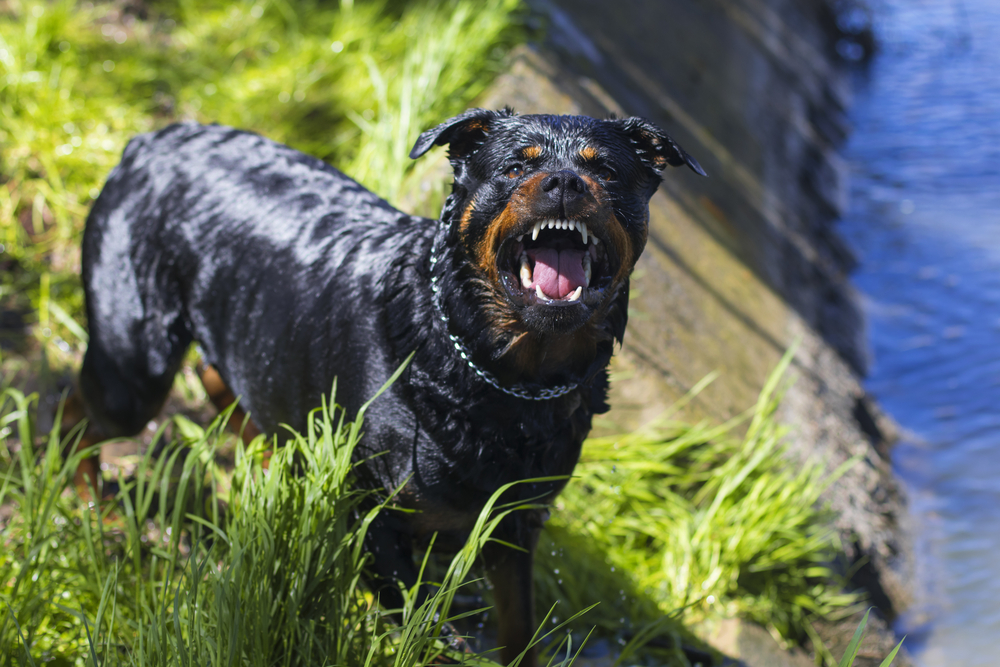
925	222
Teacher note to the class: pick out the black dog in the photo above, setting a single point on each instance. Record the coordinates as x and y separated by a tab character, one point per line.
289	274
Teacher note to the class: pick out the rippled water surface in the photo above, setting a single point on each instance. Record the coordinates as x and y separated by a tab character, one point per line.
925	222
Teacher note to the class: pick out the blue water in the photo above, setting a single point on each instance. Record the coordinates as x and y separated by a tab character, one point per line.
925	222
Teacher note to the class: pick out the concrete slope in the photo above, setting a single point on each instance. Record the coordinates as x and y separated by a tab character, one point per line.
743	263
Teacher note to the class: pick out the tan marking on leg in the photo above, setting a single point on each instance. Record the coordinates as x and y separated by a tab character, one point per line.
222	398
87	475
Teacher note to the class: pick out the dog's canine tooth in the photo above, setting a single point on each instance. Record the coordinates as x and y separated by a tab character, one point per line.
525	271
520	238
534	230
582	226
540	294
575	294
586	266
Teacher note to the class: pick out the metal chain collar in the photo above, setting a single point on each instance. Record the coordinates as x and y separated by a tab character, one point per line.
517	391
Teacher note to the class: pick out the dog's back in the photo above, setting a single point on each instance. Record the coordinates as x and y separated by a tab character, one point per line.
207	233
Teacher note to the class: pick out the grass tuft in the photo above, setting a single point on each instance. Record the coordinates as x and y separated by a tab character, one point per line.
699	518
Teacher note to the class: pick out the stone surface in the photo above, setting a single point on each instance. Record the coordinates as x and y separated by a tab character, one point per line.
742	264
750	644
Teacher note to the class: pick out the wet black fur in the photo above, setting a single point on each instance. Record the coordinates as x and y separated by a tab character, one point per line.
289	274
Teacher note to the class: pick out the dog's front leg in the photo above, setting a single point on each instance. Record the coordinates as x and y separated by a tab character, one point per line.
510	572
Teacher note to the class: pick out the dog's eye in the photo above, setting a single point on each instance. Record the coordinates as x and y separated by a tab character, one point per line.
515	171
606	174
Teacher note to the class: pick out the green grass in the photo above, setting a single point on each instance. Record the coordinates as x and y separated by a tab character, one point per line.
352	83
268	572
169	574
711	519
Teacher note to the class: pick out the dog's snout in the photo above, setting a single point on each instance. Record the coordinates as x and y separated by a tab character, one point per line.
564	190
565	182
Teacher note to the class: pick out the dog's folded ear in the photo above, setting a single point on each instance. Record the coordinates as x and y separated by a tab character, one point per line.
462	133
656	148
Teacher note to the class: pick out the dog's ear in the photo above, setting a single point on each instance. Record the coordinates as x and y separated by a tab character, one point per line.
656	148
463	133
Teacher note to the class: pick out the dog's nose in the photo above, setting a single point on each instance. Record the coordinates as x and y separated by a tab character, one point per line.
565	192
566	182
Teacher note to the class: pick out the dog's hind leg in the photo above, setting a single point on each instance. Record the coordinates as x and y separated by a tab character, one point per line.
87	473
118	394
138	333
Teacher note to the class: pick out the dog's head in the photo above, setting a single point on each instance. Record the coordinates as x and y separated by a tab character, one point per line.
551	212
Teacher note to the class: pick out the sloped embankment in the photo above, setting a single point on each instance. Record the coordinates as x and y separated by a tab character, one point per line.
741	264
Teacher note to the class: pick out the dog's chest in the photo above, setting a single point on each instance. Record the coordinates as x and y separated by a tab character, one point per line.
451	470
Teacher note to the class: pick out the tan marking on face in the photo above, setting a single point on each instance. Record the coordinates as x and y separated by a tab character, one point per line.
517	209
531	152
619	238
588	153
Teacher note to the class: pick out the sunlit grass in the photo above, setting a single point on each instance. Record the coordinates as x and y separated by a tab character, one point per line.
169	574
173	572
352	83
707	518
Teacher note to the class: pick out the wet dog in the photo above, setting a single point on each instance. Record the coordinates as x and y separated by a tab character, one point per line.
289	274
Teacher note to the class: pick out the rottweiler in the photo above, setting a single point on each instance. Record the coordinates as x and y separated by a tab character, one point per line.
289	274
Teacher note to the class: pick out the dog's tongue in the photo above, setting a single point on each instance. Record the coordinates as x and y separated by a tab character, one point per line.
558	272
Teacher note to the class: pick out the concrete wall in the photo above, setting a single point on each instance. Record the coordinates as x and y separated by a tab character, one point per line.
741	264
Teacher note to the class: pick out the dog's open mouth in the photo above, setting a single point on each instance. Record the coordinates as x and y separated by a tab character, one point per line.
557	262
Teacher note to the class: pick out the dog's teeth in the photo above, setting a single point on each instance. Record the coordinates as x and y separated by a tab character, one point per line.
586	267
583	231
534	231
525	272
540	294
575	294
594	239
520	238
